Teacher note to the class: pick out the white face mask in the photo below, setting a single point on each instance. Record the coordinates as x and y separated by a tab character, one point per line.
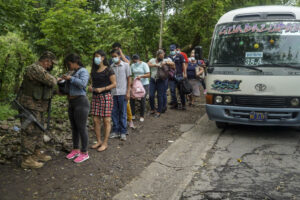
97	60
115	59
192	58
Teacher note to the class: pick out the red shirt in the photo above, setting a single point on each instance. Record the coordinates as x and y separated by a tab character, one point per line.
185	57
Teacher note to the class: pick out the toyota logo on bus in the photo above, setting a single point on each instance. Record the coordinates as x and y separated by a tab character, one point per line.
260	87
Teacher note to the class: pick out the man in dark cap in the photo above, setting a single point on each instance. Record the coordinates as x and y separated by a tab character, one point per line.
34	95
176	81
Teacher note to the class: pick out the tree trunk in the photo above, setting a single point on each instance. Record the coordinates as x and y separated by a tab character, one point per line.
162	22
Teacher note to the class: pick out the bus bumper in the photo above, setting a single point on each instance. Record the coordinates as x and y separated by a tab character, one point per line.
241	115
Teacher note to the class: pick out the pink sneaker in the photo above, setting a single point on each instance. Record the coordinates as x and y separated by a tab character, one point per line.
82	157
131	125
73	154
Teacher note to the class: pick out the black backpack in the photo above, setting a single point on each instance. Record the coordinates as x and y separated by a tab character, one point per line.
186	87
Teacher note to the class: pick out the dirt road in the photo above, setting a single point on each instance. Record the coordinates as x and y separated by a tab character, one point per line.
104	173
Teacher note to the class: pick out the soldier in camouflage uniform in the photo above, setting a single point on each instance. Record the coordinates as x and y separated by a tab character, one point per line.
34	94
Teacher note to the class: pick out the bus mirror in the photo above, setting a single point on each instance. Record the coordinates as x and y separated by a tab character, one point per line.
210	70
198	53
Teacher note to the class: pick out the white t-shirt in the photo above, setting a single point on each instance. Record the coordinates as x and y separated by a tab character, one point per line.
154	69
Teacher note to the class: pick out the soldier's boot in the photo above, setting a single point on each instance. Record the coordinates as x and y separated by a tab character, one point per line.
40	156
29	162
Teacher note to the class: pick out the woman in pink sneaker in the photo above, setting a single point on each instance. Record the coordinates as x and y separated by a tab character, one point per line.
78	106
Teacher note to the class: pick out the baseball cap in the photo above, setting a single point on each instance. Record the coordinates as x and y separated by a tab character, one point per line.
172	47
49	55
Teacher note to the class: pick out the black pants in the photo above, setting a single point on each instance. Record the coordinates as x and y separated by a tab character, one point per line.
143	103
78	115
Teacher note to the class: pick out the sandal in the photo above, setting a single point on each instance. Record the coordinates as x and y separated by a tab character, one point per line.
100	150
96	146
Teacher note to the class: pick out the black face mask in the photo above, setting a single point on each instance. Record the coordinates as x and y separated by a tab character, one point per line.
159	59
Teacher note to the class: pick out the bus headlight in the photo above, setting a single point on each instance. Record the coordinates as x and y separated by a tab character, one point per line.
218	99
227	99
295	102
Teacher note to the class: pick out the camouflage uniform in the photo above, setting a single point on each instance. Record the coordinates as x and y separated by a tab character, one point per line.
34	94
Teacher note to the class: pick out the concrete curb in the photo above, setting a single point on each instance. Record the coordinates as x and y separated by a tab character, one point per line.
172	171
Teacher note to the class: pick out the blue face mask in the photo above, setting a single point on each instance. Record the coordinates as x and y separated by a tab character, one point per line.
178	52
97	60
172	53
115	59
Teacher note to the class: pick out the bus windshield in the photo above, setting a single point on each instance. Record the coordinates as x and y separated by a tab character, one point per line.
256	44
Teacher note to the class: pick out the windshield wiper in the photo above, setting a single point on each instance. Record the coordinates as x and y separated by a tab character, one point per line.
287	65
240	65
251	67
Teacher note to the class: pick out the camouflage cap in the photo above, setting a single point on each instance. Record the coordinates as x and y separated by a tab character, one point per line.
49	55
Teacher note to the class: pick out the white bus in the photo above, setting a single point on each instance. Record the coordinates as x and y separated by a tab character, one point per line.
254	67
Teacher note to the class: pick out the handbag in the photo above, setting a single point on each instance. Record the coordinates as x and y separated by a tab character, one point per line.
64	85
162	72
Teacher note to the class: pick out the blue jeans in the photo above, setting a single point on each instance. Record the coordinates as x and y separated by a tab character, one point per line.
159	86
119	114
165	100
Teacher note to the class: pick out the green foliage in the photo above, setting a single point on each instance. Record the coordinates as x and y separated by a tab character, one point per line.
69	28
83	26
6	111
195	24
15	55
59	107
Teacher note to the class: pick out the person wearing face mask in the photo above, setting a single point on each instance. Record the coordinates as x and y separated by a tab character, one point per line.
124	58
103	80
140	71
34	95
78	106
157	85
121	95
203	65
176	81
193	73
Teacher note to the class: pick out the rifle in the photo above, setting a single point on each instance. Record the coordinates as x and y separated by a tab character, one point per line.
28	116
49	114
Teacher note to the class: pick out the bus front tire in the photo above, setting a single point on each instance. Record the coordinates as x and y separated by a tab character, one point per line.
221	125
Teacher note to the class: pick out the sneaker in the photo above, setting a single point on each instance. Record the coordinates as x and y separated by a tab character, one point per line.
183	108
82	157
164	110
175	106
73	154
157	115
123	137
142	119
133	117
114	135
205	91
131	125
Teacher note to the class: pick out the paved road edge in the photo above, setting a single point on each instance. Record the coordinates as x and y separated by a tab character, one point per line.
171	172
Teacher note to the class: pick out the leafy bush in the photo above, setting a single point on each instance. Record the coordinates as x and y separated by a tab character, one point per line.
15	55
6	111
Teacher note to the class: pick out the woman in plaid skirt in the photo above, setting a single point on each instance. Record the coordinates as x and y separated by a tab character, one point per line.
103	80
